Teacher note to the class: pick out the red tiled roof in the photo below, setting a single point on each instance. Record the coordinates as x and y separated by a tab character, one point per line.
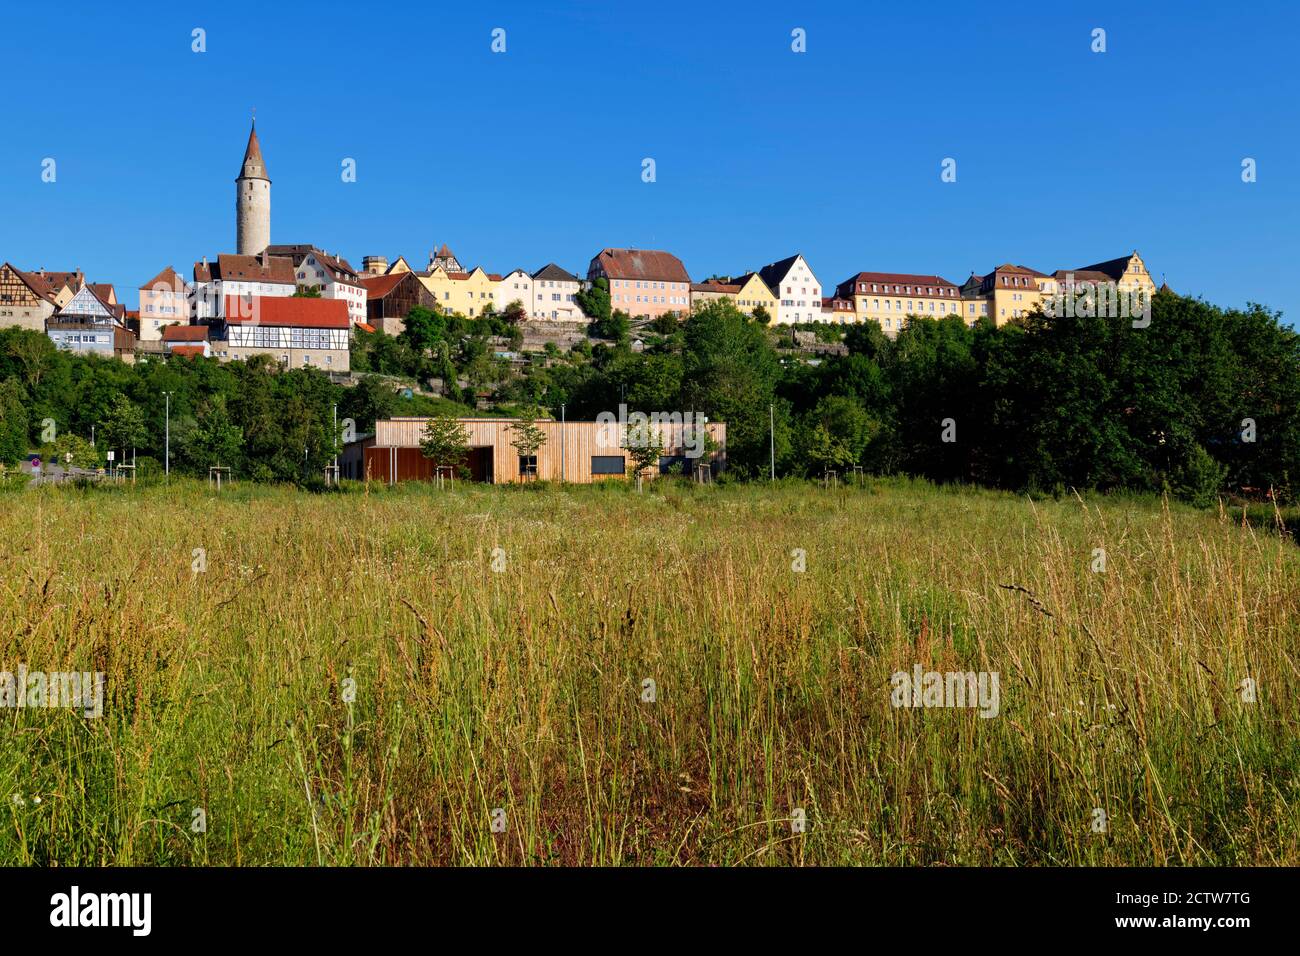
34	281
165	281
379	286
288	311
641	264
187	351
185	333
365	327
714	287
848	287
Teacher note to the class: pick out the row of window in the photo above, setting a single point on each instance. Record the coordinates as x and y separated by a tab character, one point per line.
647	284
907	289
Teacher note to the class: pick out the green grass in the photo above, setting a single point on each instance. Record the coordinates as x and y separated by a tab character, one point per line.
522	689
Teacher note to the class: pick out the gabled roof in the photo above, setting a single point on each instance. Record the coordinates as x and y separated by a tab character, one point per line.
553	273
166	280
742	281
1112	268
228	268
185	333
105	291
339	268
641	264
40	287
88	302
287	311
1019	270
187	351
722	287
774	272
379	286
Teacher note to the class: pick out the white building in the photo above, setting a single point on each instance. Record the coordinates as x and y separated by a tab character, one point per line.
332	275
555	295
261	275
798	291
515	286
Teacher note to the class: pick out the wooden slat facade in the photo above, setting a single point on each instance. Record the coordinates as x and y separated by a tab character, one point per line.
570	448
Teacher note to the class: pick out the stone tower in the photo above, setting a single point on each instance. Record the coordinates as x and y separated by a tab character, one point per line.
252	201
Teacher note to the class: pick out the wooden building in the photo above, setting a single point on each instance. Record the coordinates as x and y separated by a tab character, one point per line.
390	298
579	452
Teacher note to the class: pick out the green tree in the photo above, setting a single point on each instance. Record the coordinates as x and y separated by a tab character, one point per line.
445	442
644	444
13	420
215	439
824	451
528	436
595	301
123	425
761	315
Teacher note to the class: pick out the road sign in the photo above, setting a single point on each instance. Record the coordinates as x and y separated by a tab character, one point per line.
112	455
36	465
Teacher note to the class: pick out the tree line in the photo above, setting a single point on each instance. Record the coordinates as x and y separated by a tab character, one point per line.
1201	402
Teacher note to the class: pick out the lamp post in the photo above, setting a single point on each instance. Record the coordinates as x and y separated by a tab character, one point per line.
562	442
167	437
771	437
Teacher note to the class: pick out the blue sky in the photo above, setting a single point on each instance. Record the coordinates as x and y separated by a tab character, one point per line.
1064	157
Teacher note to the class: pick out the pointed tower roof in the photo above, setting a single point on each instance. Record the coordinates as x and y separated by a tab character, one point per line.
254	167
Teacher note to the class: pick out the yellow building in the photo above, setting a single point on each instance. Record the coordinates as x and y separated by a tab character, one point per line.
752	293
888	298
1008	292
469	293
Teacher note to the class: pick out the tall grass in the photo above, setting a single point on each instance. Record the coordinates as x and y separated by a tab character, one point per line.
522	689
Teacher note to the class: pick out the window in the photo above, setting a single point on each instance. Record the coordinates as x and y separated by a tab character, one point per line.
528	465
608	465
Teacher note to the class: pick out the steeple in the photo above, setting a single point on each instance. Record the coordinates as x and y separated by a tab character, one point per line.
254	167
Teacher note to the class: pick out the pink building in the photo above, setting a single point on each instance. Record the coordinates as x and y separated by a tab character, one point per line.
643	282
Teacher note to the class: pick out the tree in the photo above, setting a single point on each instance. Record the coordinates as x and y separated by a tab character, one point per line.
83	452
595	301
215	440
824	451
13	421
730	372
123	424
445	442
369	400
307	292
644	444
528	439
514	313
761	315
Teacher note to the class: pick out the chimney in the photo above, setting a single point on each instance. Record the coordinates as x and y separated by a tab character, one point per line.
265	259
205	262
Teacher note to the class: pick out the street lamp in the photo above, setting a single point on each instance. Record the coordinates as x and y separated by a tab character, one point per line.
167	453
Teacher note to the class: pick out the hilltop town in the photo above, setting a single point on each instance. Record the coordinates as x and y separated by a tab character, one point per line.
304	306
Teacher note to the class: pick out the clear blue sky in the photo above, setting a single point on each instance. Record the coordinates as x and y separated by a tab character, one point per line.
1065	157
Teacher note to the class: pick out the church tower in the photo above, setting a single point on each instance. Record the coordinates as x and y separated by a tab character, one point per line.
252	201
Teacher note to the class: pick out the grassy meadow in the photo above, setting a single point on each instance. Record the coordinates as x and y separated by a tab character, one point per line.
357	679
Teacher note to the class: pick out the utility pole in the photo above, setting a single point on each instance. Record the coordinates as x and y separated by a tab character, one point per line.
167	440
336	440
562	430
771	437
